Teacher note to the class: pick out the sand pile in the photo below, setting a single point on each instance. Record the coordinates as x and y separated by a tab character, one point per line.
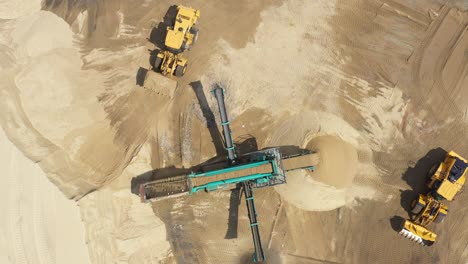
338	161
120	229
81	124
10	9
308	194
329	186
38	224
82	118
343	162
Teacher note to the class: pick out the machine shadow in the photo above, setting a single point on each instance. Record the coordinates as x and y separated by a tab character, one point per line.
397	223
417	176
140	76
158	33
209	117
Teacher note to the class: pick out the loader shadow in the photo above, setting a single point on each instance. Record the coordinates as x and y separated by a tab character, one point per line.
158	33
397	223
406	198
140	76
152	58
417	176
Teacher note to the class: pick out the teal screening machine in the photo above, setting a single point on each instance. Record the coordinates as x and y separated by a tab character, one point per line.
262	168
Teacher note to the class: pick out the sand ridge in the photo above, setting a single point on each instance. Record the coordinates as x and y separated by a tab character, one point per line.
40	225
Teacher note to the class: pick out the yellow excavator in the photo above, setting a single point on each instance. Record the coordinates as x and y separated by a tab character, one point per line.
181	36
445	181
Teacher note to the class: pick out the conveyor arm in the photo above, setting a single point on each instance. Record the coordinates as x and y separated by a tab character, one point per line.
219	94
259	255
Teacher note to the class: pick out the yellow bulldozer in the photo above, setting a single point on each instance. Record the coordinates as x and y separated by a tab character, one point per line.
445	181
181	36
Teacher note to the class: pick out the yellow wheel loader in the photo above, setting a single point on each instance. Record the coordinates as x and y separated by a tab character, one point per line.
170	64
182	35
445	181
427	210
448	178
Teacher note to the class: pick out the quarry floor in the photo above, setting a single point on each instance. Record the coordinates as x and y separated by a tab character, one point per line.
376	87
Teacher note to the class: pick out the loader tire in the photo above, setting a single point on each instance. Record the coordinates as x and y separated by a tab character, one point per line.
157	63
180	70
194	32
440	218
416	207
184	46
432	170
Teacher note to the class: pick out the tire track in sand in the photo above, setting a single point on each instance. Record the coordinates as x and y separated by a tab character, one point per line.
39	226
14	213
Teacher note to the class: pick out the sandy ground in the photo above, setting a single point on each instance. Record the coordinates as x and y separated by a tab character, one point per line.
386	78
38	224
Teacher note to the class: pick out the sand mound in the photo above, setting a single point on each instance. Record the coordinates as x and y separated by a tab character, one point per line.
337	143
39	224
338	161
13	9
305	193
328	186
78	120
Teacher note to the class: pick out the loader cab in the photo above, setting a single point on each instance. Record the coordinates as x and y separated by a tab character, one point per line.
182	35
449	177
458	170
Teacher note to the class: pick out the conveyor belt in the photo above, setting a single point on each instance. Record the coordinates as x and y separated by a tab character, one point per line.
164	188
259	255
219	93
265	168
300	162
179	184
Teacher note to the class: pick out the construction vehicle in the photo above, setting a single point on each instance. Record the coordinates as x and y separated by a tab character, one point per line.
427	209
169	63
179	37
182	35
445	181
262	168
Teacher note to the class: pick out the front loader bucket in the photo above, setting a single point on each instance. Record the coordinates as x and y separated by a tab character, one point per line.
159	84
418	233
